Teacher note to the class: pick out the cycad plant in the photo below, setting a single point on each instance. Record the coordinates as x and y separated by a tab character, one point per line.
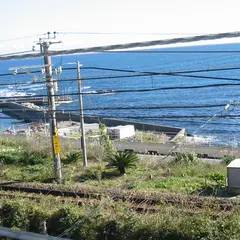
122	160
73	157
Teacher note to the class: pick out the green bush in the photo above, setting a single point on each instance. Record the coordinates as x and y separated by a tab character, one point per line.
10	143
24	157
218	178
110	230
227	159
185	158
123	160
72	157
63	219
34	157
96	172
14	215
37	220
10	158
112	221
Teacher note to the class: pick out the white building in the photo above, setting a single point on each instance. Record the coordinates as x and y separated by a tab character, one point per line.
120	132
233	176
75	129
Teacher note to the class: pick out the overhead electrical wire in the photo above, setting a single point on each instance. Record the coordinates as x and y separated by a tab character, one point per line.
125	33
201	122
100	92
156	72
9	54
129	107
142	75
133	116
174	51
217	114
163	119
20	38
162	116
131	45
145	73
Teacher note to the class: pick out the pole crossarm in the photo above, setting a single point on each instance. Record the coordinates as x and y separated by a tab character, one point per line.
128	45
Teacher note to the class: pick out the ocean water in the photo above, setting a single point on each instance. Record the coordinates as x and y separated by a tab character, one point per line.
219	130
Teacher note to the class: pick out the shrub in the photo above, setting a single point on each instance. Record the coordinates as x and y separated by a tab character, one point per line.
10	157
34	157
185	158
10	143
109	230
37	220
218	178
73	157
227	159
123	160
96	172
63	219
13	214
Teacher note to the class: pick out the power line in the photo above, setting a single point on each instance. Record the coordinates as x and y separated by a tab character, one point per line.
175	51
125	108
132	45
101	92
20	38
154	72
162	116
126	33
8	54
155	107
202	126
202	122
143	73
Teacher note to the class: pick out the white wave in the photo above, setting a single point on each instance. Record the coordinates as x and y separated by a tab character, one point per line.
37	89
86	87
26	86
12	93
200	139
106	93
91	92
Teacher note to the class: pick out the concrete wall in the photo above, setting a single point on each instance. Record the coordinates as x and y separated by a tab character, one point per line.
170	131
32	115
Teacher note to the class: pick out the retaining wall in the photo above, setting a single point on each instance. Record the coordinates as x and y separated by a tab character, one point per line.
18	111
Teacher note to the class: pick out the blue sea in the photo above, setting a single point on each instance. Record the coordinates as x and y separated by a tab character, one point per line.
219	130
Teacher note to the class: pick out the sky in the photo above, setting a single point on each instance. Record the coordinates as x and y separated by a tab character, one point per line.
157	19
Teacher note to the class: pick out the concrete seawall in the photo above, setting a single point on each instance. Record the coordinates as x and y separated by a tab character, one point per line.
28	114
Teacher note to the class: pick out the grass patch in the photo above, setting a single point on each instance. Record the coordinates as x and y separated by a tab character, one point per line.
184	174
111	220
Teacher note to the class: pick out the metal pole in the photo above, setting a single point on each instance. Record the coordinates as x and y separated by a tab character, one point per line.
83	143
52	112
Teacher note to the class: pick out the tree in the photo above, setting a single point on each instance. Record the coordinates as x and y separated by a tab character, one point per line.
105	140
123	160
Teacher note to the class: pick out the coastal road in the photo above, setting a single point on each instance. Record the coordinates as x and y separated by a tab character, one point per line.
164	149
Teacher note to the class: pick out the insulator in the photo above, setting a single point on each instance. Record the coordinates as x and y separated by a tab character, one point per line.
59	69
56	86
55	71
15	72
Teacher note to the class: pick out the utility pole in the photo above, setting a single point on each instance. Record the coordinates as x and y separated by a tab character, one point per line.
83	142
44	45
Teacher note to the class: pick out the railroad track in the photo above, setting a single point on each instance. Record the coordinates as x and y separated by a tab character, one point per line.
138	202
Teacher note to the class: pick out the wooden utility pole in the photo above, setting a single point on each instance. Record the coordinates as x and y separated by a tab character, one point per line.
83	142
44	45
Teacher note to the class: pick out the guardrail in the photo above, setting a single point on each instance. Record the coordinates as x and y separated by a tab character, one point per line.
22	235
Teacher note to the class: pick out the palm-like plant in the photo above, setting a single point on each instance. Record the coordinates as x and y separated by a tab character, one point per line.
122	160
73	157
